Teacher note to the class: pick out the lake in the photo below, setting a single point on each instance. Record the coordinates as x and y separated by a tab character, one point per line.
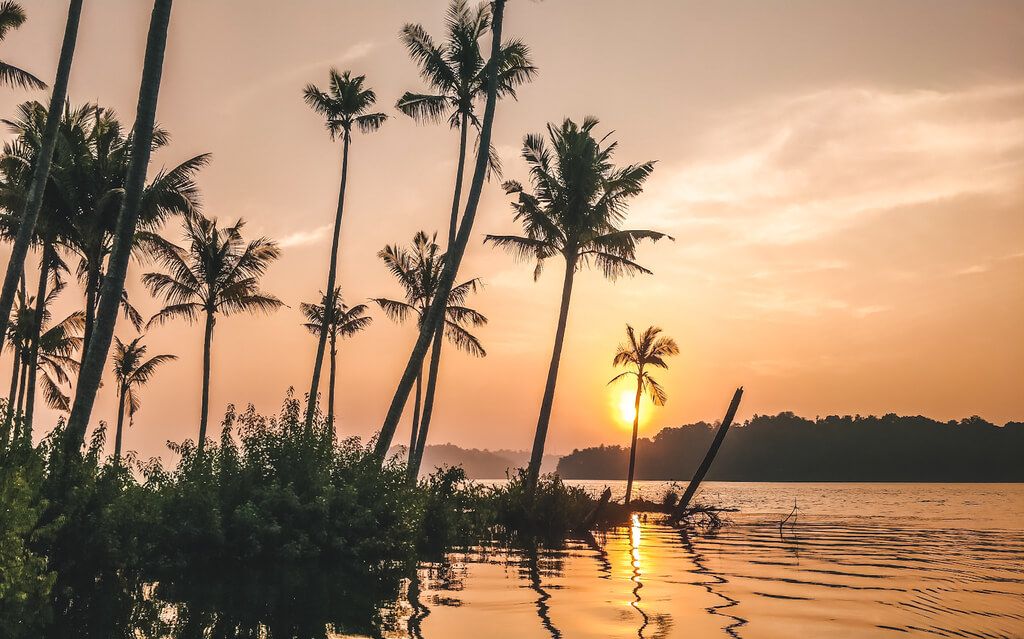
853	560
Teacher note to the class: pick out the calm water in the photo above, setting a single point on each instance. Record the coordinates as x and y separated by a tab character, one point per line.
861	560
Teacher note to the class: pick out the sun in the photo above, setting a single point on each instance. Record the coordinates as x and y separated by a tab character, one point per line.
627	405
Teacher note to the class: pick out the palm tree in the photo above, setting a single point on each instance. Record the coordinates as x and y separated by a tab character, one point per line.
436	314
98	179
217	273
457	74
344	322
12	16
50	355
41	169
345	105
124	231
649	351
418	271
578	202
131	370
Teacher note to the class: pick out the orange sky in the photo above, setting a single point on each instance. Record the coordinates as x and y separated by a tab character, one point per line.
844	181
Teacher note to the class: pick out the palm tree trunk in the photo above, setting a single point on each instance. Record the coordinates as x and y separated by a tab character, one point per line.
436	314
537	456
41	173
22	383
332	276
414	437
91	287
120	425
330	390
636	427
416	453
207	342
117	266
9	417
35	332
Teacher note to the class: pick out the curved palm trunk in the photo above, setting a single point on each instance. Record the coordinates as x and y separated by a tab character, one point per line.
120	425
414	436
537	456
207	343
636	427
36	332
332	276
21	395
330	390
117	266
34	197
91	288
9	417
416	453
437	310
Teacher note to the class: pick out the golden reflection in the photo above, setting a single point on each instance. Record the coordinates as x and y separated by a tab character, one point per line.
634	555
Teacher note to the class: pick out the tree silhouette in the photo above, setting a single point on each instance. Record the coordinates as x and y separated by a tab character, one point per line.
646	352
124	232
344	322
41	170
418	271
218	272
345	105
132	370
456	72
578	201
12	16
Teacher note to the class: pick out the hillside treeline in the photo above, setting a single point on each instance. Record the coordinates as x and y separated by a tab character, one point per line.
786	447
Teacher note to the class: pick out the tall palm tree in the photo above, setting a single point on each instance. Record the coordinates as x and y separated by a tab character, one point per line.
436	314
48	356
218	272
41	169
418	271
124	232
98	178
649	351
578	202
12	16
132	370
344	322
457	74
345	105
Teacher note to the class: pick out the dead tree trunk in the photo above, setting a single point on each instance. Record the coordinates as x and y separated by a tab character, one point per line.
591	519
698	476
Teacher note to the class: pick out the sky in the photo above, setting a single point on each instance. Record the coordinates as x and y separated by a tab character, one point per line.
844	182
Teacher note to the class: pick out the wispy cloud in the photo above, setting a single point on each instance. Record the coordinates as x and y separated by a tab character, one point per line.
793	169
308	236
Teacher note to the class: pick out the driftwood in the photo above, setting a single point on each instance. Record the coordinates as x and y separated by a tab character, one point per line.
591	519
698	477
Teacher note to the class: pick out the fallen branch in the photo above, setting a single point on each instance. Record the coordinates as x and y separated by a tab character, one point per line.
591	519
698	477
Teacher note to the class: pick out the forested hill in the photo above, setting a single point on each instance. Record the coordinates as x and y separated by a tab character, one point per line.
785	447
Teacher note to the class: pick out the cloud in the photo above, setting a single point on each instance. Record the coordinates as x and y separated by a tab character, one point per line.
796	168
308	236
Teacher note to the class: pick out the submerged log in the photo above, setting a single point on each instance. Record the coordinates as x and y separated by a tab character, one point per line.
698	477
591	519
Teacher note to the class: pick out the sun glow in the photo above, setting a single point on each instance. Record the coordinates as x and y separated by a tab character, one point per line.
627	405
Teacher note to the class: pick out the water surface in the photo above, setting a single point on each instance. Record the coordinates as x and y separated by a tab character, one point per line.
860	560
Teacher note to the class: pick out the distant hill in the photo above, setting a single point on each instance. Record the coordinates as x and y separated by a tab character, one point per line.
786	447
478	464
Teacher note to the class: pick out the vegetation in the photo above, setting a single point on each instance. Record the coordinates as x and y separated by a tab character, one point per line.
345	105
132	370
340	321
649	351
13	16
786	447
218	273
579	200
417	271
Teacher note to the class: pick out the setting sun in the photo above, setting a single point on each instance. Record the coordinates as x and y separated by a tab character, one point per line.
627	405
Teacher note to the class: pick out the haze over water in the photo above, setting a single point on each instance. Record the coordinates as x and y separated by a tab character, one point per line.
862	560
